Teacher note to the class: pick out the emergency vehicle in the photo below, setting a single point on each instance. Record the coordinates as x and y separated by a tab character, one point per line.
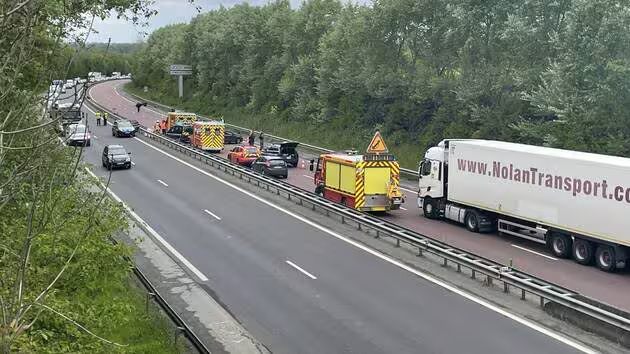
368	182
208	135
184	118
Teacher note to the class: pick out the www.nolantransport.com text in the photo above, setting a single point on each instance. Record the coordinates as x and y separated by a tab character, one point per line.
533	176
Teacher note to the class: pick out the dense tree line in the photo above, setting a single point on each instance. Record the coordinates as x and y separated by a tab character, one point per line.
101	57
537	71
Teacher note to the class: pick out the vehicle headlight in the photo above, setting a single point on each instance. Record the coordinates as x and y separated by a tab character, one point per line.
127	159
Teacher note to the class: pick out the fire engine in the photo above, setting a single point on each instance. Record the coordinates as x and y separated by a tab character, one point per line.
368	182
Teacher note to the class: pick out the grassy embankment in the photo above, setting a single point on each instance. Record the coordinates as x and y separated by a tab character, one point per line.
334	136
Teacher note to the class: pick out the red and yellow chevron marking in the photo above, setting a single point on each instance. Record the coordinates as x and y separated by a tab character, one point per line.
210	140
359	188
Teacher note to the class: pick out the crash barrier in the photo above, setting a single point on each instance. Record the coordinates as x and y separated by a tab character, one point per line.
319	150
554	299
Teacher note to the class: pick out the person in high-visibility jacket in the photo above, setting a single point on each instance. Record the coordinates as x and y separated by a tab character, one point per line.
156	127
163	126
98	118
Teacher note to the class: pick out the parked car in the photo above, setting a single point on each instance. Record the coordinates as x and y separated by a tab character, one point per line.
244	155
181	132
123	128
286	150
135	124
116	156
271	166
78	135
232	137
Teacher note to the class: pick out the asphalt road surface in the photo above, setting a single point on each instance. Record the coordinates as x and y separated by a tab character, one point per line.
611	288
296	287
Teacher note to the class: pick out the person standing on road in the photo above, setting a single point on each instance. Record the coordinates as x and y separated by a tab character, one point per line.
163	126
98	118
250	138
261	137
105	115
138	105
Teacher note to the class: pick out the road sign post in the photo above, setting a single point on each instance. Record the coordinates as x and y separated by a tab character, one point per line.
180	71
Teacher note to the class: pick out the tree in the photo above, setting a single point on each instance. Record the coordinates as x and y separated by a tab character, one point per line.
50	242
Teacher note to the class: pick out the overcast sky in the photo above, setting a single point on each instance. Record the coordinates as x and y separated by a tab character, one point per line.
169	12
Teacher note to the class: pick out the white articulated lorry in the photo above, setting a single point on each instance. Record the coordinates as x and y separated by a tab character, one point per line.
577	203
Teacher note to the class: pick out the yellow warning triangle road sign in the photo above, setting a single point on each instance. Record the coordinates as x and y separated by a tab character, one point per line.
377	145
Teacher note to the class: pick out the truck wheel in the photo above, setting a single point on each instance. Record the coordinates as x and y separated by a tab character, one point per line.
605	258
583	251
471	220
560	245
429	208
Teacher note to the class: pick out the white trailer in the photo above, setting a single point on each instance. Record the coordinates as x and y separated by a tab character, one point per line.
577	203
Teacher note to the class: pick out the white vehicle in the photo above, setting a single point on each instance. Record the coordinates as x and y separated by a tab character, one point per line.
78	135
577	203
94	76
115	74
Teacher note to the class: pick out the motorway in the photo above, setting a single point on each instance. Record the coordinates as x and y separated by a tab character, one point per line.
530	257
299	287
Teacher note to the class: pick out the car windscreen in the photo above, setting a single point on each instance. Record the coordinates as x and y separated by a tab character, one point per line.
276	163
250	150
117	151
124	125
72	114
79	130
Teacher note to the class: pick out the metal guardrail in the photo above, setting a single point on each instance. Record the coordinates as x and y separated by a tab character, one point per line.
478	266
317	149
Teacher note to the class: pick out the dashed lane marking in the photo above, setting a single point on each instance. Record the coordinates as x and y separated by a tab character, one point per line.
301	270
212	214
534	252
162	182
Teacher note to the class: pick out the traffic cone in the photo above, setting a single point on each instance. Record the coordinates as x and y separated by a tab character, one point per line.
303	165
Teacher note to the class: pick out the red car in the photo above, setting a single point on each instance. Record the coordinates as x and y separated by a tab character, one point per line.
244	155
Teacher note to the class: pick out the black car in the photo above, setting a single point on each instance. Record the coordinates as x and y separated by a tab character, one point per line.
135	124
231	137
115	156
271	166
285	150
180	132
123	128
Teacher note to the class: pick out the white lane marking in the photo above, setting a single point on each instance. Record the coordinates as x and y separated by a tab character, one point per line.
307	176
133	163
212	214
89	109
403	208
534	252
525	322
162	182
157	236
408	190
301	270
121	96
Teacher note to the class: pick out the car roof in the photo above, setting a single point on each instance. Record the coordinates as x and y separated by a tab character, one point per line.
115	146
271	157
